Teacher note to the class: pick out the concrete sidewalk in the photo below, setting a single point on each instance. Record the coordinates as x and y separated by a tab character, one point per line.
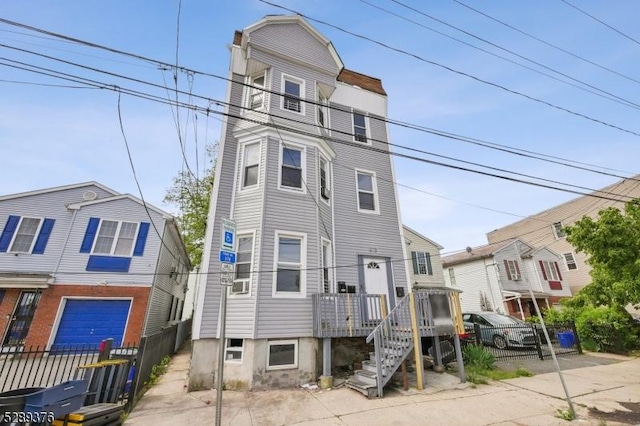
524	401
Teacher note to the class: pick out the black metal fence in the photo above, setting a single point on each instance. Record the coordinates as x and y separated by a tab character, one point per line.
38	367
525	341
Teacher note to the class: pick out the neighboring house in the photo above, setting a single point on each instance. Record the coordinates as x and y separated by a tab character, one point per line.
496	277
81	263
426	263
314	202
544	229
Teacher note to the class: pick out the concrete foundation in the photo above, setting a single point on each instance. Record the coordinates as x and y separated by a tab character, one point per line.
204	359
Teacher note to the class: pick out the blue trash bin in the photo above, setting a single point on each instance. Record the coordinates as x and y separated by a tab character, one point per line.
566	339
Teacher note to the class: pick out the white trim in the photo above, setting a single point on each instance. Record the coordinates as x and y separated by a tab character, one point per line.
327	176
374	185
56	189
566	264
324	107
513	273
234	349
413	231
249	91
116	238
293	342
241	234
303	265
325	242
35	235
367	127
63	304
246	135
297	80
303	164
555	231
75	206
243	150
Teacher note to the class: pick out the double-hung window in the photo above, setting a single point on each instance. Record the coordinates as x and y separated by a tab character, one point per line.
251	165
421	263
292	169
25	235
115	238
570	261
256	92
290	261
452	276
558	231
513	270
551	274
326	266
293	89
323	116
359	127
242	279
367	191
325	188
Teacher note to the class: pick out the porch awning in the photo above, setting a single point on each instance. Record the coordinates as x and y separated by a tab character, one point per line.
511	295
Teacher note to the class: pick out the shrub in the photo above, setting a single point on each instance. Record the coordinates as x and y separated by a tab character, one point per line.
610	329
476	356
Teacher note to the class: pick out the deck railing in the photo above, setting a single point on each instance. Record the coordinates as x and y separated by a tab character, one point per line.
347	314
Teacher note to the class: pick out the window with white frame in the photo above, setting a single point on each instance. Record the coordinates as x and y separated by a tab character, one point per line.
367	191
323	111
233	350
570	261
359	127
256	91
251	165
325	188
326	266
115	238
421	263
452	276
550	270
293	89
242	280
282	354
292	169
512	269
25	235
290	262
558	231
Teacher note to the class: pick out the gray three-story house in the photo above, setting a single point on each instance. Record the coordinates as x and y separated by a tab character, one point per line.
305	172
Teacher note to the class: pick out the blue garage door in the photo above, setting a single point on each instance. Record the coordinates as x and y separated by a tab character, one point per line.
89	322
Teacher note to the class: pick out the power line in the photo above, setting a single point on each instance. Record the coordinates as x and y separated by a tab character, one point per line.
29	83
453	70
436	132
546	42
601	21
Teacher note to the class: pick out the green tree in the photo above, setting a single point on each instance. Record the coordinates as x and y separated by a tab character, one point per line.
192	194
612	243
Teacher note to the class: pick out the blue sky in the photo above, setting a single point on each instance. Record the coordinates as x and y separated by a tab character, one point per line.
53	136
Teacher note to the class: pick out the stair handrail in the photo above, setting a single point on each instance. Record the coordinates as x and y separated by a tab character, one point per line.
400	315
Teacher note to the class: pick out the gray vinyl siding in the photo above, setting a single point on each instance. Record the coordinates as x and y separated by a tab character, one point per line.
288	212
48	205
73	264
509	253
227	161
294	41
164	285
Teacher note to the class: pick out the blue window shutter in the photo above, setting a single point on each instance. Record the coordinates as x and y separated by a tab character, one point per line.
90	235
43	236
142	239
7	233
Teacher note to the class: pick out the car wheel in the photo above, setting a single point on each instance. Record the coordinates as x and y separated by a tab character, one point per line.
499	342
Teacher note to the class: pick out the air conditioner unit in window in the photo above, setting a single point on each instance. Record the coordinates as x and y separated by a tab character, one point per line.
240	287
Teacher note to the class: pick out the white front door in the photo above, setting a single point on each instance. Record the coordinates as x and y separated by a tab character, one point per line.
376	280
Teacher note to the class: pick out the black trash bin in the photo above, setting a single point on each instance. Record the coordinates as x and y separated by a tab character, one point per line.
14	401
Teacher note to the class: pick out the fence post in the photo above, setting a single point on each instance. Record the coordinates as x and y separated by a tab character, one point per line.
476	330
538	345
135	385
576	337
105	349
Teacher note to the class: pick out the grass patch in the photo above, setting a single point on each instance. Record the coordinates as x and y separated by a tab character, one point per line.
506	374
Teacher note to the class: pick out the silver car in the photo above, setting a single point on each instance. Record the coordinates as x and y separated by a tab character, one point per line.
501	331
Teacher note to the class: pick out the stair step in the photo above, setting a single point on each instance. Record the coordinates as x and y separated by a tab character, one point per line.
365	376
370	391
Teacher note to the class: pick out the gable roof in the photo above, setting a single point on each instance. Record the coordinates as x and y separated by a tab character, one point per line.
76	206
481	252
57	188
422	236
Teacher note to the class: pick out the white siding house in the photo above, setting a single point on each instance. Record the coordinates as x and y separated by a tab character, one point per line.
426	262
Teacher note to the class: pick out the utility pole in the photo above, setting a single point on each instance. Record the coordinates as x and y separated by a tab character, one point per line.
546	335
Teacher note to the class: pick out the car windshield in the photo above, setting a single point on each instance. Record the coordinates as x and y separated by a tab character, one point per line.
501	319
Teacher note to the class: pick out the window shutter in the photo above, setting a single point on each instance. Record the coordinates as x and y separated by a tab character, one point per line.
506	268
544	274
142	239
43	236
558	269
89	235
517	269
414	259
429	269
7	233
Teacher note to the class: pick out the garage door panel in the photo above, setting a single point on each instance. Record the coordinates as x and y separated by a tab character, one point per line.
89	321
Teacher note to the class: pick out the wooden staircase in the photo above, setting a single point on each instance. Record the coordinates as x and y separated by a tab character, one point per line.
393	341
